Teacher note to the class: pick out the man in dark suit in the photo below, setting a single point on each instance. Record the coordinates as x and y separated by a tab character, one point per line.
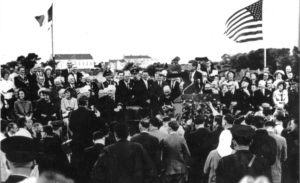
141	91
156	91
109	79
262	95
32	78
175	88
176	155
199	146
195	78
263	144
21	153
21	80
92	153
149	143
82	124
232	168
123	161
65	73
124	89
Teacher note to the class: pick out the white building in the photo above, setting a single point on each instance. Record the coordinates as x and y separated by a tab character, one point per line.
141	60
81	61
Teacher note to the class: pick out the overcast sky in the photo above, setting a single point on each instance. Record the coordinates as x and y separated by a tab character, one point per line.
161	29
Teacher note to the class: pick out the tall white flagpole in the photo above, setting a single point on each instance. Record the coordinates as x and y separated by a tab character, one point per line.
299	28
264	40
52	32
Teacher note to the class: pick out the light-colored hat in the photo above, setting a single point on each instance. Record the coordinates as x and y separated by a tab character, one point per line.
85	76
48	67
85	89
164	72
45	90
279	71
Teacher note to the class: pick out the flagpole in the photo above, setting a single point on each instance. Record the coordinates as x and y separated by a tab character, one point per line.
52	34
265	57
299	29
264	38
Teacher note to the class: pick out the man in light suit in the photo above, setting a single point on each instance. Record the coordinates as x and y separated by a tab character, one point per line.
281	154
176	155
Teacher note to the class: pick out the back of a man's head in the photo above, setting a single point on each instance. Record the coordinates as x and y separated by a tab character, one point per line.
199	120
145	123
82	101
242	134
229	119
155	122
173	125
280	117
259	121
21	122
121	131
98	134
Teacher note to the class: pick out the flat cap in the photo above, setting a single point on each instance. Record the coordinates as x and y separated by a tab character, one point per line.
242	131
19	149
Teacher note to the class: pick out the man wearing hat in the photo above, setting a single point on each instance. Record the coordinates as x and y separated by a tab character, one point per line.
109	79
20	153
281	154
232	168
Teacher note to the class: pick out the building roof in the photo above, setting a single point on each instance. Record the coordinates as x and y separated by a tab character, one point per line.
73	57
136	56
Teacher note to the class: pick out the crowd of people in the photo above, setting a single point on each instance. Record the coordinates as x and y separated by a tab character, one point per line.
201	125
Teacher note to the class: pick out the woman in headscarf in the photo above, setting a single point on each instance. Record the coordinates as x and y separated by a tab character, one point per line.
215	155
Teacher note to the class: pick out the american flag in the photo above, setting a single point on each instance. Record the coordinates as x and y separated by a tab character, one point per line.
246	24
